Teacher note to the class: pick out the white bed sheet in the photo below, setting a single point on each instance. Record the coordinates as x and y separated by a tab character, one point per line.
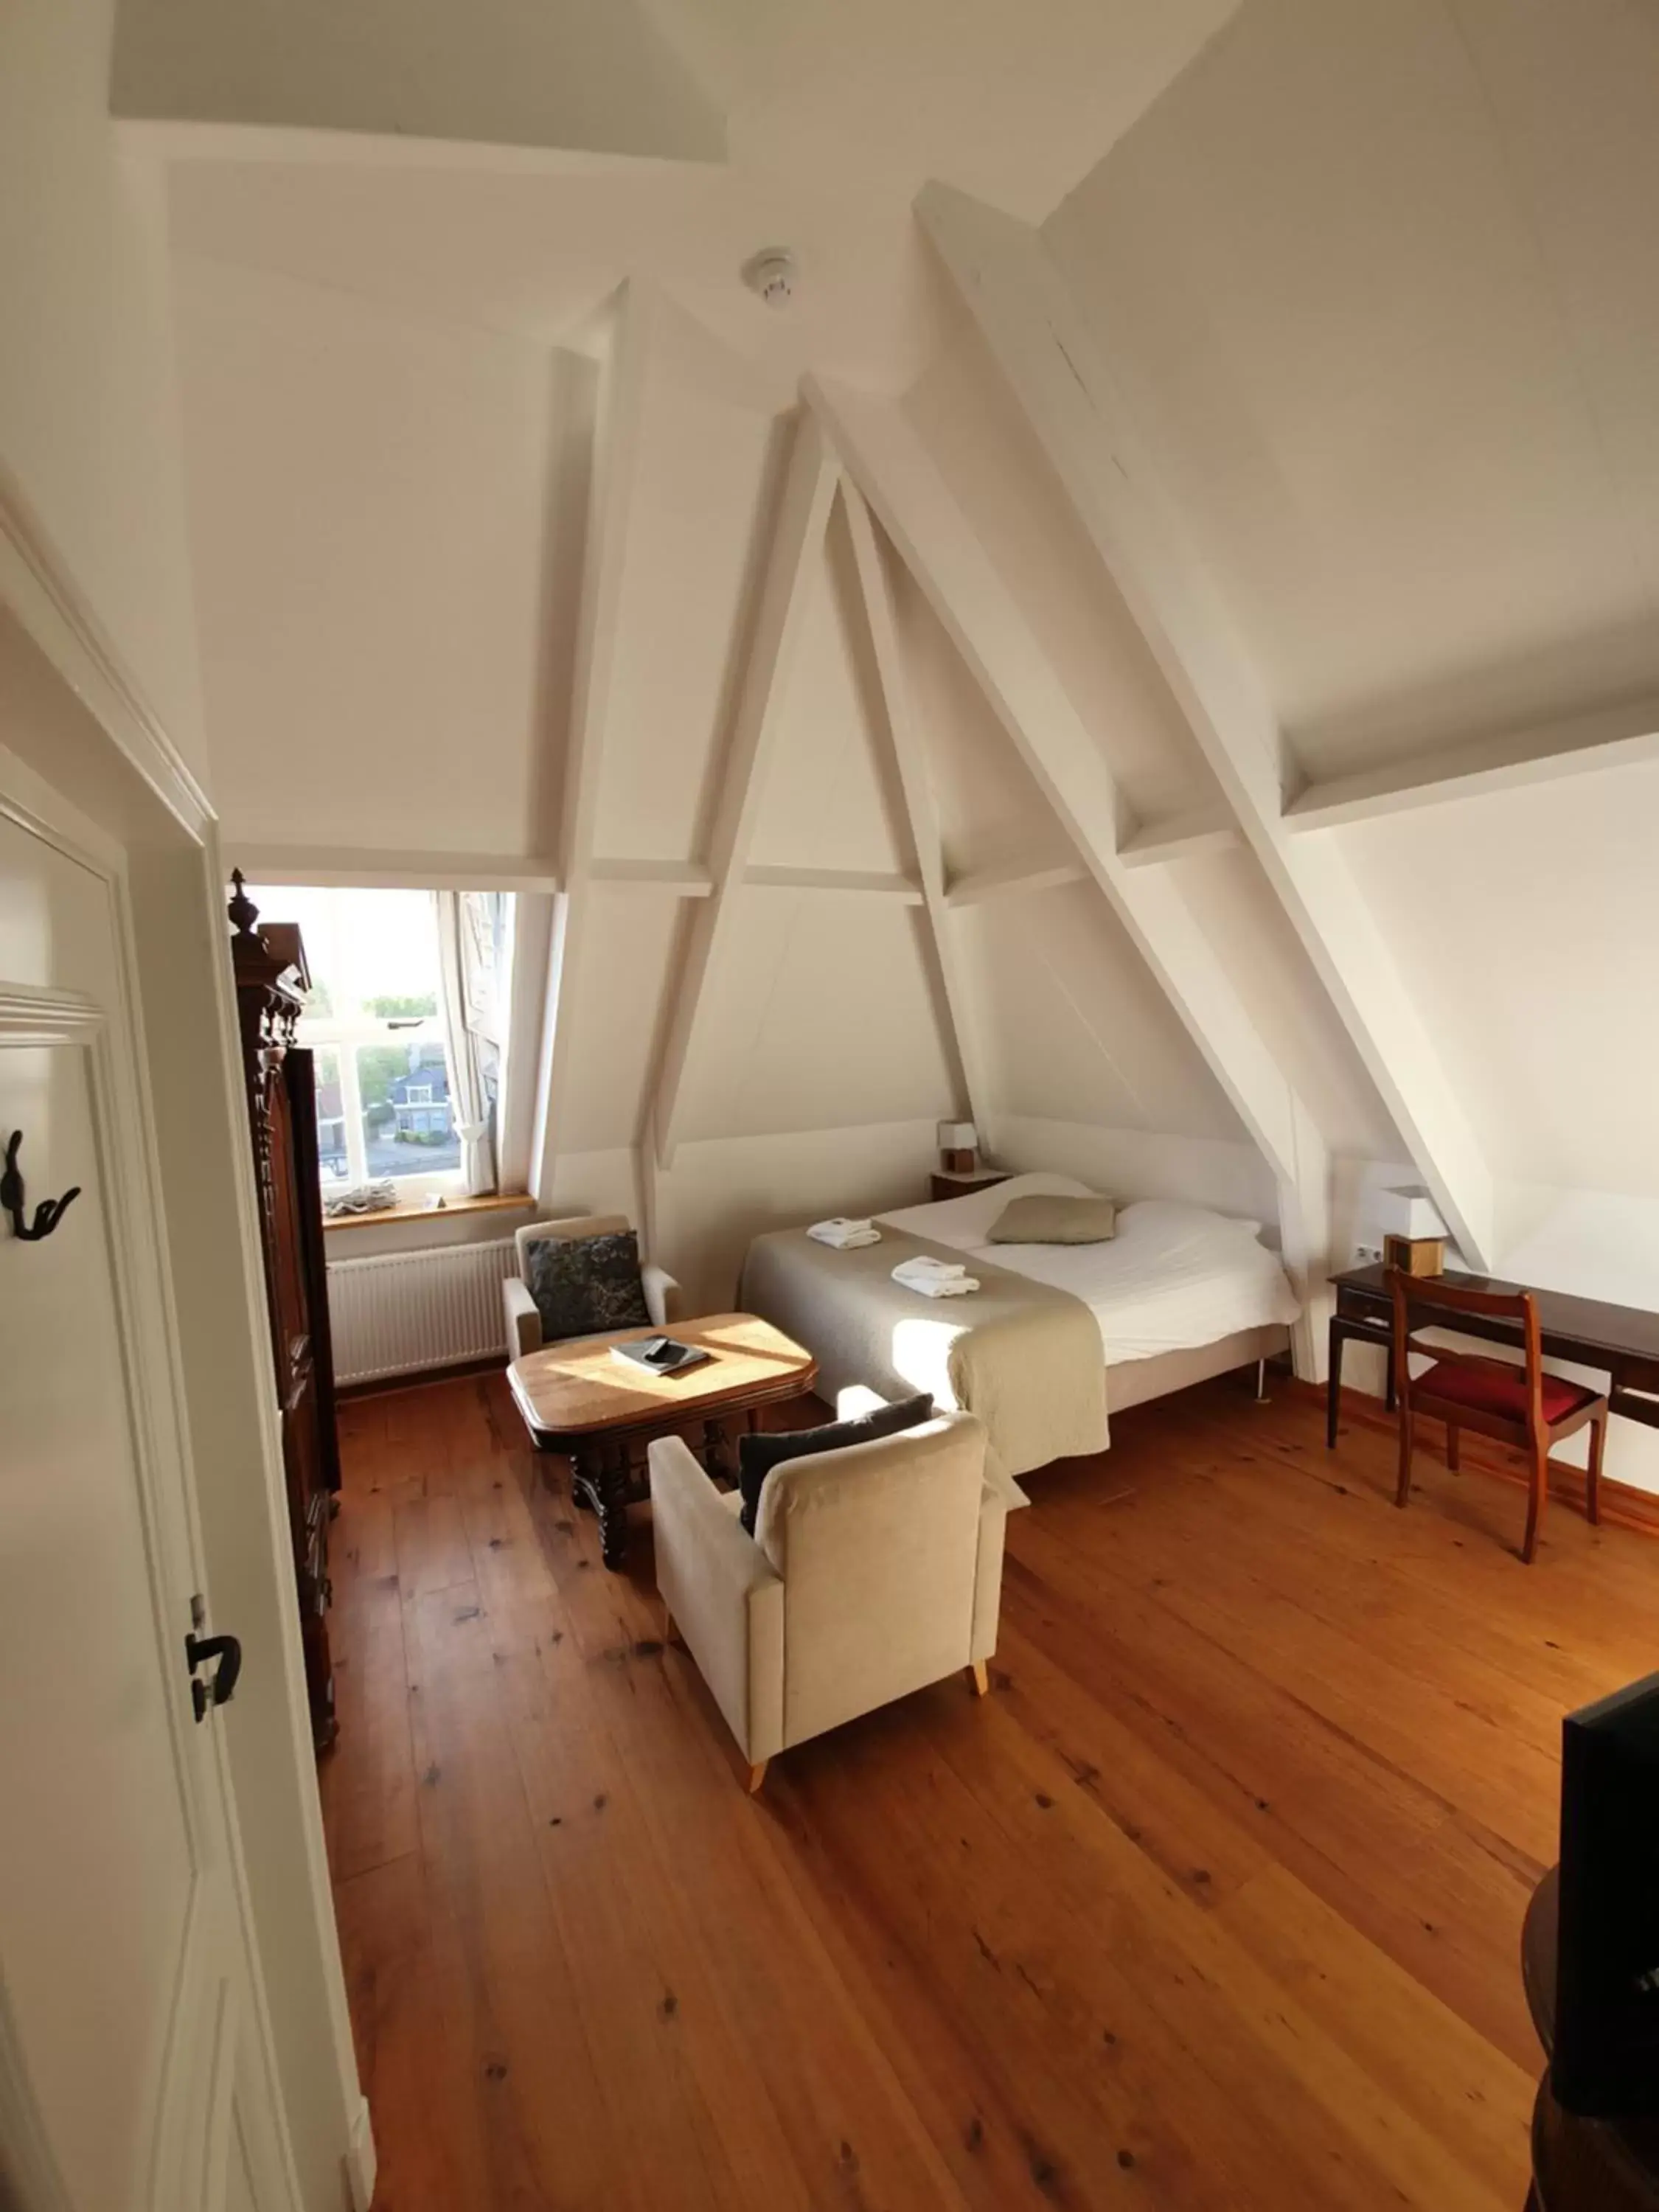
1174	1276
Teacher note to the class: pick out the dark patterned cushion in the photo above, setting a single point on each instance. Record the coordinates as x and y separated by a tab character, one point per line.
586	1286
759	1454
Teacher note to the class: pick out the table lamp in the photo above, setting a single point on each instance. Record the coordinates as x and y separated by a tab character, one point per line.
958	1147
1413	1233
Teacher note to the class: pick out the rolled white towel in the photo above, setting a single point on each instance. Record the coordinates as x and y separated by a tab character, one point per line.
844	1235
934	1279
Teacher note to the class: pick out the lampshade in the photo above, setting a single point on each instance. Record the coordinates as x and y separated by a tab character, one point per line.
957	1137
1408	1213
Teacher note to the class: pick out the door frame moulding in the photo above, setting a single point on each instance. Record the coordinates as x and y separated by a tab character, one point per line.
1582	745
932	535
155	1350
798	534
1049	356
130	793
37	586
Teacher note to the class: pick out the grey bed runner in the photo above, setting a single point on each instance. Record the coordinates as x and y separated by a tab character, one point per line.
1025	1357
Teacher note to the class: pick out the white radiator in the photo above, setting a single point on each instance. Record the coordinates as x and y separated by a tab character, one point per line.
403	1311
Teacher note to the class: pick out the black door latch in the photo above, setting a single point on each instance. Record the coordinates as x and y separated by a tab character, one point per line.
222	1688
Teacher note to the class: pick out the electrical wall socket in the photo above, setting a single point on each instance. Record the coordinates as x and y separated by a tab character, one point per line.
1368	1256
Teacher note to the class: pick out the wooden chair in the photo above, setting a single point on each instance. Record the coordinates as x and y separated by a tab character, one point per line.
1520	1407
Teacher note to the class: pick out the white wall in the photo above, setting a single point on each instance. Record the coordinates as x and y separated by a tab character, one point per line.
1526	924
1130	1164
1074	1024
726	1191
722	1192
88	425
381	547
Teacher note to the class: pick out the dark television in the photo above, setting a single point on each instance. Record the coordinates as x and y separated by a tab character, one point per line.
1606	2061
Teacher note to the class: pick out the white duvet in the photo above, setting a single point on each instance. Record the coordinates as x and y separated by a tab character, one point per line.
1174	1276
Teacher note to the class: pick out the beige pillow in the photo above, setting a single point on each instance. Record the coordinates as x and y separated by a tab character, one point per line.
1039	1220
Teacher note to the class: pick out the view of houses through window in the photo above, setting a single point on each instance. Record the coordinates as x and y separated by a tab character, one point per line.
376	1020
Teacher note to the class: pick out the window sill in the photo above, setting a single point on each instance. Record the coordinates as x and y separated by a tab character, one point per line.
418	1210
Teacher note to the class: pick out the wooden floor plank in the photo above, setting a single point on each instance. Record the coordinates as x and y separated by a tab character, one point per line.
427	2116
1215	1903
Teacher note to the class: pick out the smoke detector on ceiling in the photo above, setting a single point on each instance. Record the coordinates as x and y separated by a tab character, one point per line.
772	273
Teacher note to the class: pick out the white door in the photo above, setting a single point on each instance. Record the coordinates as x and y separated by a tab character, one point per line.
134	2073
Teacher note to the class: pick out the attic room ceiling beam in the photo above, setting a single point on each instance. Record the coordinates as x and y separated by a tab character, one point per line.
934	538
686	879
1582	745
365	868
676	879
920	809
803	514
1005	277
1021	878
619	446
1178	837
838	883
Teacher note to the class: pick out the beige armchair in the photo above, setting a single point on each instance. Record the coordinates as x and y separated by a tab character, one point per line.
524	1322
873	1571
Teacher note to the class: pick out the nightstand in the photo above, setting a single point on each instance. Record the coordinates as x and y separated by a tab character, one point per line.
960	1186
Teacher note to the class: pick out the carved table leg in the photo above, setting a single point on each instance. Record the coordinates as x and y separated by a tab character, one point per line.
609	1487
585	1471
717	1456
580	1492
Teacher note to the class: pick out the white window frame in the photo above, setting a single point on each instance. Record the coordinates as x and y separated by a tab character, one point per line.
523	1012
330	1033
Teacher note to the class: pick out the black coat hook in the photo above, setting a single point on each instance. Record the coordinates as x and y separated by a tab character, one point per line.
49	1213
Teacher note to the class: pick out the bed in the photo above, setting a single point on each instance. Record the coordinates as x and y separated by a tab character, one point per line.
1059	1337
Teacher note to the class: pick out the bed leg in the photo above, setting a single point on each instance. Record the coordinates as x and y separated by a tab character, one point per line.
1261	1381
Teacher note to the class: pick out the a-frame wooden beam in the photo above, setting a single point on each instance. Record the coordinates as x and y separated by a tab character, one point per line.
1168	837
619	446
937	542
797	538
921	810
1009	282
1581	745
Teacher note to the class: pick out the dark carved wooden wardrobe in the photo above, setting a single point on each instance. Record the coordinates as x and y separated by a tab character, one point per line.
281	1083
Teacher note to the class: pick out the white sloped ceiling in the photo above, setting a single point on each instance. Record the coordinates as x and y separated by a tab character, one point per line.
1380	285
1379	282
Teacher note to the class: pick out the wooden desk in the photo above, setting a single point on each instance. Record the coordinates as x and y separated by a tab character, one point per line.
1620	1341
578	1399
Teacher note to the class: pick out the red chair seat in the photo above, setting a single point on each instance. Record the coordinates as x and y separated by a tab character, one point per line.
1492	1386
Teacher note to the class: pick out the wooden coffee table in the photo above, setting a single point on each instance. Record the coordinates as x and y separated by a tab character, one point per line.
578	1399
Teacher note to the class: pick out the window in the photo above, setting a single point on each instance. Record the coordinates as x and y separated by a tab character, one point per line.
385	1086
